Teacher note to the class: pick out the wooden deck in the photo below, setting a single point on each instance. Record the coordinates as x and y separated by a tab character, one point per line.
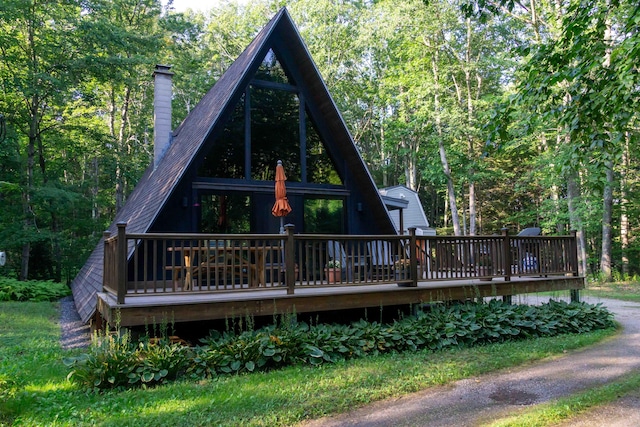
147	309
154	278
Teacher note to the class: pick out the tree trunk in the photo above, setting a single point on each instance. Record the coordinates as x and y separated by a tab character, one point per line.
607	207
95	189
411	169
624	217
411	145
607	196
445	209
554	191
451	189
573	198
26	197
470	141
385	174
121	151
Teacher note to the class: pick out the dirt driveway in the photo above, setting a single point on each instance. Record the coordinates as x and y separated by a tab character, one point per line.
476	401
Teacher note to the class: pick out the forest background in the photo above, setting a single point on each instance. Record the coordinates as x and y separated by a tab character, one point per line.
499	113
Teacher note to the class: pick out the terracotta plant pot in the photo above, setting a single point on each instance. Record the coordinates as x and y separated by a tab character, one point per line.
333	275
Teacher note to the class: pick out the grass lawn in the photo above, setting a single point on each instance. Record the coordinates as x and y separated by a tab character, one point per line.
34	390
626	291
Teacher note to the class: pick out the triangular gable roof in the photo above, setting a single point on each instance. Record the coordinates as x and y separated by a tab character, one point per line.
155	187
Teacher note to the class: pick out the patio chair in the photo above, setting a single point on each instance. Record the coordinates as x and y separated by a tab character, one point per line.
381	259
275	268
530	231
423	254
525	252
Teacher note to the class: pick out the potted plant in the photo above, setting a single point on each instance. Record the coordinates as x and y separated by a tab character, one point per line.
333	271
402	268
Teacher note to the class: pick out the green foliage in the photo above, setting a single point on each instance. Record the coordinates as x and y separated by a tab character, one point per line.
114	362
626	290
163	361
110	363
34	391
31	290
78	108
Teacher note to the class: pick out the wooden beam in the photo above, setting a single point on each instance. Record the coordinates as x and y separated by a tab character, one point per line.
149	309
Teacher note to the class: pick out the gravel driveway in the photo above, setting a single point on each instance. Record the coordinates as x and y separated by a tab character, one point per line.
479	400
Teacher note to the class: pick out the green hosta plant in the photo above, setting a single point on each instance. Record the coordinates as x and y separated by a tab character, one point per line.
161	361
109	363
114	362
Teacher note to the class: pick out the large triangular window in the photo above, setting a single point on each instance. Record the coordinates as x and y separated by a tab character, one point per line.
270	123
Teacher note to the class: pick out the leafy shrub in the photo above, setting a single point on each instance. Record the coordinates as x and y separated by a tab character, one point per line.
161	361
31	290
114	362
111	362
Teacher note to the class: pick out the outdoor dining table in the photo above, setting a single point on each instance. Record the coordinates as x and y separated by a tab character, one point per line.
255	261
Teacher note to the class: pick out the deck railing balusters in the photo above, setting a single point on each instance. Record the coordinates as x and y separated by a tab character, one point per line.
216	262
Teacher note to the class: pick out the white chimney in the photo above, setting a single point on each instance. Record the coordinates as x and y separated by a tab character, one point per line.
162	95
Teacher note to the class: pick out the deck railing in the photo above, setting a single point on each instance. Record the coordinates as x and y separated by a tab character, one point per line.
161	263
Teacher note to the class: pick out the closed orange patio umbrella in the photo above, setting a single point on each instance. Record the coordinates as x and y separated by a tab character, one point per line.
281	207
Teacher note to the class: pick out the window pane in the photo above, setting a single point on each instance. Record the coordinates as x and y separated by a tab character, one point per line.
320	168
271	70
225	213
226	158
274	133
324	216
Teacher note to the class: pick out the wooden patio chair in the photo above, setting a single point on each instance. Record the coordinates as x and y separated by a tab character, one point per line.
450	259
425	261
381	260
275	269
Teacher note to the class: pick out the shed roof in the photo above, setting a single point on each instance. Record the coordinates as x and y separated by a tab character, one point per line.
413	212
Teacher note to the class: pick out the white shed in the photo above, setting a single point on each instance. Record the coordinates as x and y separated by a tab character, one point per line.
405	210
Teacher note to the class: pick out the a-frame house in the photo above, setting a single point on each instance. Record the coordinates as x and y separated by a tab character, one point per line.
216	173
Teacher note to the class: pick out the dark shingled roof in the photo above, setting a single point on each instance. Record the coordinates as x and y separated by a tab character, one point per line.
155	187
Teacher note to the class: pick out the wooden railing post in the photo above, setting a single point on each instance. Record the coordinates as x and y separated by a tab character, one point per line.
574	253
575	293
506	254
121	262
106	260
413	256
289	259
